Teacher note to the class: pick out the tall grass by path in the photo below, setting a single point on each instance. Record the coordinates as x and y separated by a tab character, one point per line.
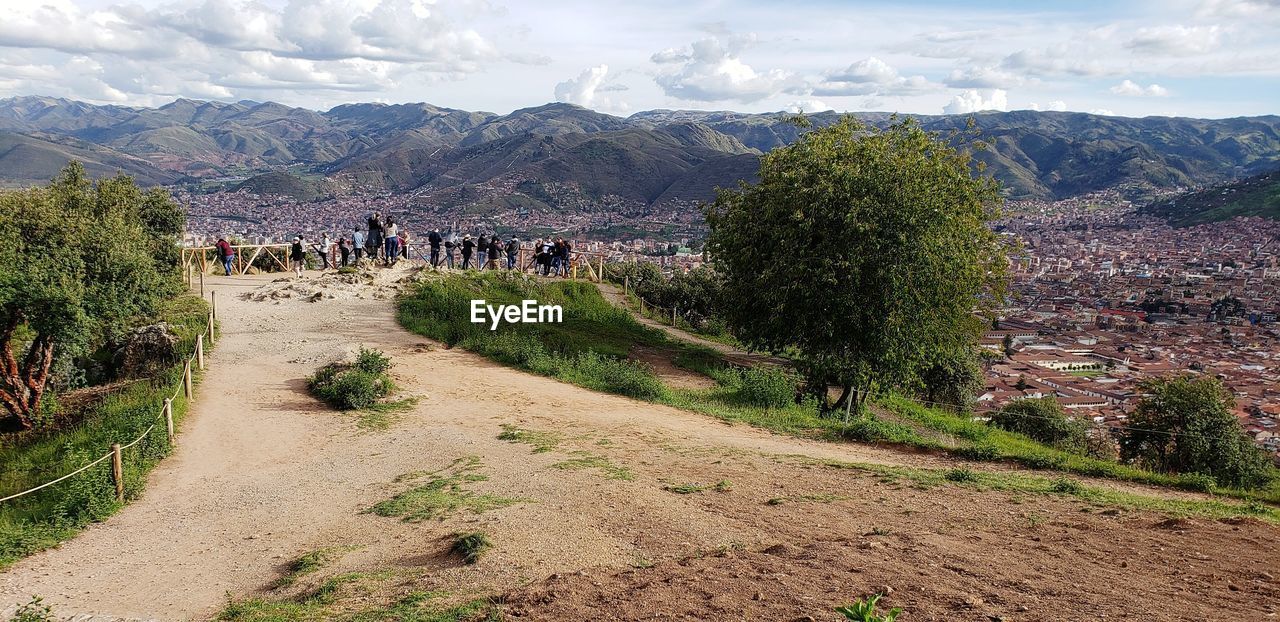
42	519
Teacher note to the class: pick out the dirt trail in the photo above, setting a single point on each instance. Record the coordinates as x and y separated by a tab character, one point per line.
263	474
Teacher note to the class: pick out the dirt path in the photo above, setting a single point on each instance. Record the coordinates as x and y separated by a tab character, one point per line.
264	474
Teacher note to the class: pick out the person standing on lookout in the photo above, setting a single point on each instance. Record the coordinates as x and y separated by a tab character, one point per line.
467	247
495	250
513	250
297	255
391	232
344	250
449	245
225	253
357	243
482	249
435	241
323	250
375	235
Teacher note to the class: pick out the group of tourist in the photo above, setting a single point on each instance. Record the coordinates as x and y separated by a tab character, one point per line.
385	241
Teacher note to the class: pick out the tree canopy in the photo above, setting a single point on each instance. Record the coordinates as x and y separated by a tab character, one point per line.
866	252
1042	420
1185	425
77	261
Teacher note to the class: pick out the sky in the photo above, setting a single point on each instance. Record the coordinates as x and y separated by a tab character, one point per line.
1201	58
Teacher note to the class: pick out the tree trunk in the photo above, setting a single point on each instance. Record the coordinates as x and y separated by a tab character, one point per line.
22	386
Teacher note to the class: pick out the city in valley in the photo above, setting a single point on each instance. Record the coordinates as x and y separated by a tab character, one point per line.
1101	297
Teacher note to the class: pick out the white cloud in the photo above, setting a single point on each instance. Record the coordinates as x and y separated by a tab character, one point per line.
869	76
986	77
1239	8
973	101
1129	88
1106	112
711	70
808	105
1056	105
1176	40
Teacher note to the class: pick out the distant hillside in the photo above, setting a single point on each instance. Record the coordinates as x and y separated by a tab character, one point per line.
1255	196
26	160
1046	155
285	184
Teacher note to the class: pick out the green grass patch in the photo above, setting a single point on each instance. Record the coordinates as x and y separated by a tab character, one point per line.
587	460
471	546
986	442
1036	485
443	495
358	597
43	519
541	441
354	386
382	415
309	563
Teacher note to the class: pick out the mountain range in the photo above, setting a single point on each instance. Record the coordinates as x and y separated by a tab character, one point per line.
564	155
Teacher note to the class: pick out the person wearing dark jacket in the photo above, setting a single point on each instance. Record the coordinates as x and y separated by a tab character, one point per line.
375	240
226	254
297	255
555	256
544	257
468	245
449	245
513	250
435	241
495	249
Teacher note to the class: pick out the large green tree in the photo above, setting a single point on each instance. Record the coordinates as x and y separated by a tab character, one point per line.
1185	424
864	251
78	261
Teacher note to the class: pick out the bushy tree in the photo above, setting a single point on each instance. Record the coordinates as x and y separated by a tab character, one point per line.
864	251
77	262
952	380
1185	425
1042	420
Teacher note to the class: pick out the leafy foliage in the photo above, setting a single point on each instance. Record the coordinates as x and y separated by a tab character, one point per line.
865	611
471	546
78	261
354	386
1185	425
1042	420
900	254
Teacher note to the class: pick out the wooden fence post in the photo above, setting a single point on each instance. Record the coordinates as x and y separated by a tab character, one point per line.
202	283
213	302
673	317
186	379
200	350
168	418
626	285
212	338
641	305
117	471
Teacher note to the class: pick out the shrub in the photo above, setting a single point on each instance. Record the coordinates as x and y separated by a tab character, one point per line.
355	386
1043	461
767	387
624	377
962	474
33	610
1200	482
372	362
1042	420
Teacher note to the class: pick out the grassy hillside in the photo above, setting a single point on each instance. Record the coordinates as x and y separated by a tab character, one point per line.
1255	196
591	348
285	184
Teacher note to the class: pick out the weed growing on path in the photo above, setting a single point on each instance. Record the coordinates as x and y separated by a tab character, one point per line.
443	495
588	460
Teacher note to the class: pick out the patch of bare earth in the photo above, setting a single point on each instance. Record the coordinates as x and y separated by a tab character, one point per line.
264	474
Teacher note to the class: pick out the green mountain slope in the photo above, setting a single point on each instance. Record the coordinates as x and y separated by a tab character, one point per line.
26	160
1254	196
284	184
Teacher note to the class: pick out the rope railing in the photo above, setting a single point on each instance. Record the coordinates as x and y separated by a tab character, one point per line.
194	361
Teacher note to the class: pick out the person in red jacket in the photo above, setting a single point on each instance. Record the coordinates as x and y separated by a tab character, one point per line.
226	254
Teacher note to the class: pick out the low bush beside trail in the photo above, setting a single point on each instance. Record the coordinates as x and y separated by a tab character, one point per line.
354	386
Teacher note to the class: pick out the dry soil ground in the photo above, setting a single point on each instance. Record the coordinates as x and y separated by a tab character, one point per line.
264	474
